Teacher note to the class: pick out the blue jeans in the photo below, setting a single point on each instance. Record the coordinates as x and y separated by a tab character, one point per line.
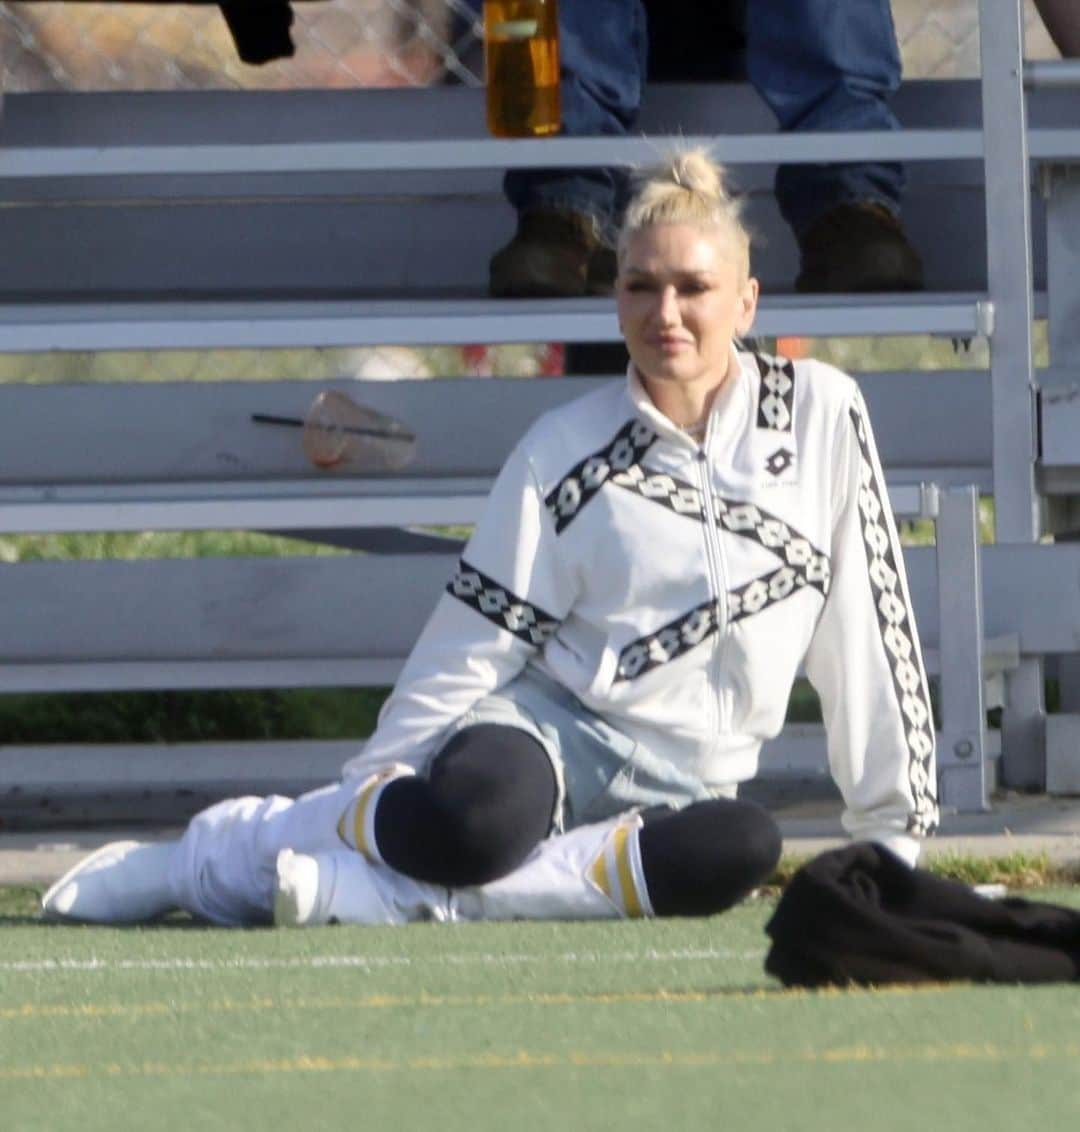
600	771
818	64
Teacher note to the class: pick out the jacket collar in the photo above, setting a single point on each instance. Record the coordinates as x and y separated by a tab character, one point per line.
737	386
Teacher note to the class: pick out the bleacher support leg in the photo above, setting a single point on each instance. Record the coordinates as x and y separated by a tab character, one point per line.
1062	190
1009	269
1023	728
1012	364
962	769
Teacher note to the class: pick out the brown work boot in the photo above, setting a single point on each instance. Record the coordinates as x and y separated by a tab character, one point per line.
553	254
860	246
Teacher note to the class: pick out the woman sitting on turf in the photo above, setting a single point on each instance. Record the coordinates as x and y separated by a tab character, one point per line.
655	562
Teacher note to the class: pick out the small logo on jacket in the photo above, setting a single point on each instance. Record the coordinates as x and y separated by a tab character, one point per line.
779	462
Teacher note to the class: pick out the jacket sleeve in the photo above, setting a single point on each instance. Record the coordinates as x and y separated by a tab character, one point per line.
509	594
865	661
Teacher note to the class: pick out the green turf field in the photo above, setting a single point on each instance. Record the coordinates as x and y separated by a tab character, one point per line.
661	1025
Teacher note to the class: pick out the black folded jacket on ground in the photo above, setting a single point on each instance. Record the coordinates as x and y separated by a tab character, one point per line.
861	915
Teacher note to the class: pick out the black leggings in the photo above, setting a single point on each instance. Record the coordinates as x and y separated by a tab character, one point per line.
490	798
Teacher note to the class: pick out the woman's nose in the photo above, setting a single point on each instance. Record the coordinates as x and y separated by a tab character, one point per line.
668	306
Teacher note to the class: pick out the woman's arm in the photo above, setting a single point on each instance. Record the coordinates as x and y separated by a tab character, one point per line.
865	661
507	597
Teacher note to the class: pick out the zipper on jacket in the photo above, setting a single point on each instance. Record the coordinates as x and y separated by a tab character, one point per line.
714	555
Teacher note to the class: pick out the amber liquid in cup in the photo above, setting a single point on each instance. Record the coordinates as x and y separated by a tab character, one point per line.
521	52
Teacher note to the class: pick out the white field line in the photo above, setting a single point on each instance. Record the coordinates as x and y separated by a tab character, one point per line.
376	962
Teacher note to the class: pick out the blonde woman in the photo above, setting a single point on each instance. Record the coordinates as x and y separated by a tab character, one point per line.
656	561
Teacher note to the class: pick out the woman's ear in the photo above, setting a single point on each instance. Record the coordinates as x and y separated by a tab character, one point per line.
747	307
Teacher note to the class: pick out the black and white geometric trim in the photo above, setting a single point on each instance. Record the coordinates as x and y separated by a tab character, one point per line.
803	566
767	590
688	631
529	623
776	393
752	522
744	519
586	478
658	487
669	642
895	621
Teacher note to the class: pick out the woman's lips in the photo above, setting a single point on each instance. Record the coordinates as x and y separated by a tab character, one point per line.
669	344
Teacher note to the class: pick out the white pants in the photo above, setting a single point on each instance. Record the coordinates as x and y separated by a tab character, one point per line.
224	866
224	869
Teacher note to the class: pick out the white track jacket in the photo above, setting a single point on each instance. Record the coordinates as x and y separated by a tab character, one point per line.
676	588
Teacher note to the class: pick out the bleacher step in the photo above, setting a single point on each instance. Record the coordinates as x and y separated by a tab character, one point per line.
252	324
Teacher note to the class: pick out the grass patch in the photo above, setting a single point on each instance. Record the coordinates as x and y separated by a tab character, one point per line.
190	717
141	545
538	1026
19	900
1018	870
1015	870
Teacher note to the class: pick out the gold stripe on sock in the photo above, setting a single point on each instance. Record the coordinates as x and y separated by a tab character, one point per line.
630	899
360	805
360	816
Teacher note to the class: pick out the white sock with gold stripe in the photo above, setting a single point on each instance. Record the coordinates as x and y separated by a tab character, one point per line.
356	827
592	873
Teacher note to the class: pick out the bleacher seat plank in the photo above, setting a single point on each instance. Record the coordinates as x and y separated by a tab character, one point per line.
298	248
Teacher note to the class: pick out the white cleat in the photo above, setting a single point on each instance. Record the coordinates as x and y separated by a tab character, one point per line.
344	887
297	902
124	882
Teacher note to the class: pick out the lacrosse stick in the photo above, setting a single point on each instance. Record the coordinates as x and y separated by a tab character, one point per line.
337	430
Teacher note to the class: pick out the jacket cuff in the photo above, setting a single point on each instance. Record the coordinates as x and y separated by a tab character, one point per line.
902	845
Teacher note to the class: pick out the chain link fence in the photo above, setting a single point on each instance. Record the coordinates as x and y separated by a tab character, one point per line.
164	46
350	43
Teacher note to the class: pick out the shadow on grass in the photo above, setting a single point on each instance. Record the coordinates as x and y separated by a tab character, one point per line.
178	923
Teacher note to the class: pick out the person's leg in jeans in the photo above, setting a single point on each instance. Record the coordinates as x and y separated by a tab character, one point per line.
566	217
833	65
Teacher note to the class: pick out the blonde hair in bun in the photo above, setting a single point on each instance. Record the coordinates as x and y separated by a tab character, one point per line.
687	188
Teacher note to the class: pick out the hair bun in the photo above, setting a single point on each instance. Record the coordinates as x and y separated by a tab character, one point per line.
696	171
686	187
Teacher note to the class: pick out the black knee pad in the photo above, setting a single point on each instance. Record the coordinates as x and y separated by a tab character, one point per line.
488	800
762	842
701	860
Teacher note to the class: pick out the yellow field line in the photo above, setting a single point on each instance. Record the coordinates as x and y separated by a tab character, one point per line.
532	1059
31	1011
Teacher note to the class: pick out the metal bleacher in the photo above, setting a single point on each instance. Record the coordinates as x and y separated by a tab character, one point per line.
324	218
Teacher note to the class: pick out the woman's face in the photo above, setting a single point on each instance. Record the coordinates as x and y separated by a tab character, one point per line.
682	297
